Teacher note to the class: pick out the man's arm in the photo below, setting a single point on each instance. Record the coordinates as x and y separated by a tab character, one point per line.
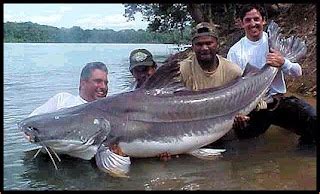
274	58
293	69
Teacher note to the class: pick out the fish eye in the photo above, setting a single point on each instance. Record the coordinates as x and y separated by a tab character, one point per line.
96	122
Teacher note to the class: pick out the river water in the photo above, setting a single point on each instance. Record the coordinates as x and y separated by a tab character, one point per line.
35	72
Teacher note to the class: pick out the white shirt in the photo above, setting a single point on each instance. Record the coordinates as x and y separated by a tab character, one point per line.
66	100
246	51
58	101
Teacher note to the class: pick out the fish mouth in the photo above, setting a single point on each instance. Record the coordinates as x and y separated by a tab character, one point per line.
30	133
28	137
68	141
32	136
79	146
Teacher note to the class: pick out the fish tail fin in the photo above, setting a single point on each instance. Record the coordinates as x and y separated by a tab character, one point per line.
292	48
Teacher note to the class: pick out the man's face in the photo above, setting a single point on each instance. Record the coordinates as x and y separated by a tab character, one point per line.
141	73
252	23
205	48
96	86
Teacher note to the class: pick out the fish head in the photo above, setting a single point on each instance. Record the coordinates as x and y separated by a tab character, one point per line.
66	130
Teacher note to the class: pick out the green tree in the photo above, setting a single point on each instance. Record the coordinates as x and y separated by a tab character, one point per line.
169	17
32	32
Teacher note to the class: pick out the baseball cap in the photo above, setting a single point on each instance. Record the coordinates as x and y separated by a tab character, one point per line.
140	57
204	29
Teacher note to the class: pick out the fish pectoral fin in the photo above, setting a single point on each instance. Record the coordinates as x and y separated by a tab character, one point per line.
111	163
207	153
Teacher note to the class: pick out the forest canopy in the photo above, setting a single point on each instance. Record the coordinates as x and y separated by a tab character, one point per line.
36	33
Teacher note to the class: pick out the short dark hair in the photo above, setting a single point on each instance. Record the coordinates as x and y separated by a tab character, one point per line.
89	67
248	7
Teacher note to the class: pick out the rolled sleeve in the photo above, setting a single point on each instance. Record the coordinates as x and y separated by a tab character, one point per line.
293	69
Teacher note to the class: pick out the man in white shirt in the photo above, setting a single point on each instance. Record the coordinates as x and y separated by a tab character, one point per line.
93	86
288	112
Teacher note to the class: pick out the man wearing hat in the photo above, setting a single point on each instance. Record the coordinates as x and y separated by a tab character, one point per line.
204	68
142	66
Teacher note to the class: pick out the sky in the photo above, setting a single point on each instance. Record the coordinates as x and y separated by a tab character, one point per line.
86	16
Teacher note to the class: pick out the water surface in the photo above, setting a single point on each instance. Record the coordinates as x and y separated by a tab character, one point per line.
35	72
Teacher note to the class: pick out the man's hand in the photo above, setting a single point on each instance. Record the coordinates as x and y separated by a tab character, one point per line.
117	150
165	156
274	58
240	121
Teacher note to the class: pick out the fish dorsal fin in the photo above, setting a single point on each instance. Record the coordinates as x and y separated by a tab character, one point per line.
250	70
167	78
